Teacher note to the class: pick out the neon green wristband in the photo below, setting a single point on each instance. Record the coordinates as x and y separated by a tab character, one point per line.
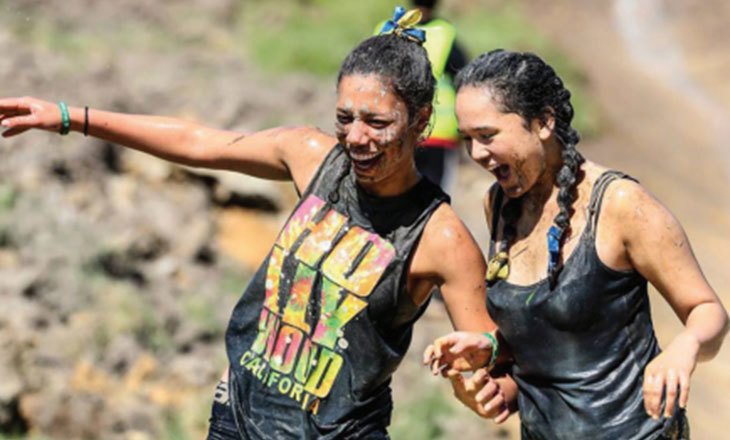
495	349
65	118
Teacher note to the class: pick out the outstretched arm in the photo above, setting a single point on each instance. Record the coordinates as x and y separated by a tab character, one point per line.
278	154
655	244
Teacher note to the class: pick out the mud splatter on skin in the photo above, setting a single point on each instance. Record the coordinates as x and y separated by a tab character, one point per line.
236	140
520	174
379	117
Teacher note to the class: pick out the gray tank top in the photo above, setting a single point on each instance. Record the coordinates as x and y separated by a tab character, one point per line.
580	350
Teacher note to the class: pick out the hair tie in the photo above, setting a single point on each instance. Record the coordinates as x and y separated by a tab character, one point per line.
553	240
403	24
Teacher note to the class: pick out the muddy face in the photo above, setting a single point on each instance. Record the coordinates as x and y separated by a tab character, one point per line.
372	126
502	143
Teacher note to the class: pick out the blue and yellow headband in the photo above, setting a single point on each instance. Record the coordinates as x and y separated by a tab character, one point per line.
403	24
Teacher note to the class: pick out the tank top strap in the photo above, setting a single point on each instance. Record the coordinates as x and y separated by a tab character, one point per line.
599	191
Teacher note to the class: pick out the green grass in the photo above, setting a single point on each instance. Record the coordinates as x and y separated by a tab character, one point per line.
311	36
423	416
8	196
175	428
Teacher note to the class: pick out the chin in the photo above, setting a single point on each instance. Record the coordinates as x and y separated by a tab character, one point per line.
513	191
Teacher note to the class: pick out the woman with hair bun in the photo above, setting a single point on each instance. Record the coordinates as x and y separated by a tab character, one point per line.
573	248
327	318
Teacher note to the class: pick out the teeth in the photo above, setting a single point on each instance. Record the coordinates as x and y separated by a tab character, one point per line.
363	156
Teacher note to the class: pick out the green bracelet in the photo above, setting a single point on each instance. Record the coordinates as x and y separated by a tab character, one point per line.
495	349
65	118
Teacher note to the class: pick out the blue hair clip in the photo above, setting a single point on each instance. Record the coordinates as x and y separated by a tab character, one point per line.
553	242
403	24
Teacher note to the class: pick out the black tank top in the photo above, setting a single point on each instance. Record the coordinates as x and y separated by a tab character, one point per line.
326	319
580	350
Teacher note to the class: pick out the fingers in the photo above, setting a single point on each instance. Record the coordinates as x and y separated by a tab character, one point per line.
501	417
14	131
17	121
495	405
428	355
683	389
488	389
673	385
14	105
432	358
672	382
653	385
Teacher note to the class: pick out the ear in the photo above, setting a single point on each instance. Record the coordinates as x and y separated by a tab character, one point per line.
545	125
423	117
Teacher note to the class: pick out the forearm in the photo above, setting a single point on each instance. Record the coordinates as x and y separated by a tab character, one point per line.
707	325
171	139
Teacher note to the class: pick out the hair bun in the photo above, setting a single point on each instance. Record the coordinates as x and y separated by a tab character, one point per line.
403	24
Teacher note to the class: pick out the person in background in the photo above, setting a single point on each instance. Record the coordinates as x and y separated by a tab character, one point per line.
438	157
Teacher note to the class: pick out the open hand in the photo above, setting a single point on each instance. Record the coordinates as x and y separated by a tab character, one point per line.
21	114
458	351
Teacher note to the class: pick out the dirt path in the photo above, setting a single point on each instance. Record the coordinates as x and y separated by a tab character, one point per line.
656	69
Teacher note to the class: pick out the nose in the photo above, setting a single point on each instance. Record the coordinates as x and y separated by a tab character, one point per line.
479	152
357	134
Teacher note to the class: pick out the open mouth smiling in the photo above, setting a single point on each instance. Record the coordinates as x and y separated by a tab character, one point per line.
501	172
364	161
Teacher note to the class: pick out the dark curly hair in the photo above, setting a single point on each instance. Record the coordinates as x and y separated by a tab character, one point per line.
524	84
402	62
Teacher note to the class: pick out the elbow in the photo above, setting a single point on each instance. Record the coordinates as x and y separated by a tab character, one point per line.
724	323
712	347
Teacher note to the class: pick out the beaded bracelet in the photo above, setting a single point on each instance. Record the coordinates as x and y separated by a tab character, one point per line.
65	118
495	349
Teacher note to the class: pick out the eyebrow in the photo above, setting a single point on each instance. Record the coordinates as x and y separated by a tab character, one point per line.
369	114
481	128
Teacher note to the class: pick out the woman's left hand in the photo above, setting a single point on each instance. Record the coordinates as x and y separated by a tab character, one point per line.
669	371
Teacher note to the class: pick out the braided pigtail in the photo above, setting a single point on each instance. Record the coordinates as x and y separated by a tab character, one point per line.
568	174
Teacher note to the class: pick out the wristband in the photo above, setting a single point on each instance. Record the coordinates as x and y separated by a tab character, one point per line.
495	349
86	120
65	118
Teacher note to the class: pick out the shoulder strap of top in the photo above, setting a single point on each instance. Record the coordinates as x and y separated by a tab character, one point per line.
496	212
599	190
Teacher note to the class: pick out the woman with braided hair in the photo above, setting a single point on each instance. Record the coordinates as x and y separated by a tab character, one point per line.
573	247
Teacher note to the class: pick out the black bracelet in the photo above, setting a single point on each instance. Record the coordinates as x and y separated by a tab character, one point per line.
86	120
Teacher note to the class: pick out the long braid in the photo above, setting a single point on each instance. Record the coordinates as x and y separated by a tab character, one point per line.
568	174
523	83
